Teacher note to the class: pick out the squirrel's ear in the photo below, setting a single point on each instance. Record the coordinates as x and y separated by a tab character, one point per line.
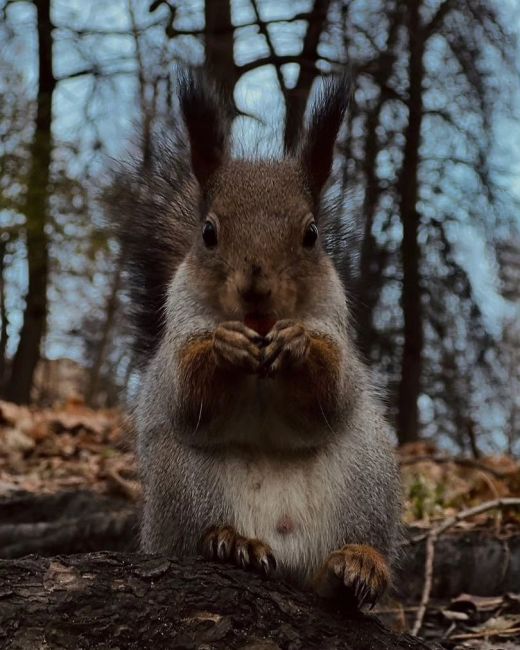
207	122
326	116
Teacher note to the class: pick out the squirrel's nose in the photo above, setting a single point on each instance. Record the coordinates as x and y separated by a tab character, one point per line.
252	284
252	294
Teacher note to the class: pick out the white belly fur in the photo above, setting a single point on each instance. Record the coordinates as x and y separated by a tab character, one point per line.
267	491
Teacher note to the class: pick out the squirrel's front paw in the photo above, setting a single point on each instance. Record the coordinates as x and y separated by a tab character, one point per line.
237	347
360	569
286	345
225	544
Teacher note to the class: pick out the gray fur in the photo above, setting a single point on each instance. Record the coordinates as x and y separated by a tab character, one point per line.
341	484
334	476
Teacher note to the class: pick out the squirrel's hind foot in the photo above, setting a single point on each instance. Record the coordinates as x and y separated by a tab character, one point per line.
224	544
359	569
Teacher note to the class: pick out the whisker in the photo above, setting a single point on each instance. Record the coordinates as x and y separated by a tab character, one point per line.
199	419
325	418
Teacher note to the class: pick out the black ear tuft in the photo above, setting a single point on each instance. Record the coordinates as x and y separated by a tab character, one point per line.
326	116
207	121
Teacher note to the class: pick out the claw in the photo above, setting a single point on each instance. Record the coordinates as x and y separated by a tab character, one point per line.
214	545
242	552
361	570
224	544
222	550
268	563
363	594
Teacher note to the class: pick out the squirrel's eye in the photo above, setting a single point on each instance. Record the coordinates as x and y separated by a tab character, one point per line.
209	234
311	235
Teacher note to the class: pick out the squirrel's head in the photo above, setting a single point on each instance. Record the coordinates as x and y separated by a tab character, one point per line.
259	250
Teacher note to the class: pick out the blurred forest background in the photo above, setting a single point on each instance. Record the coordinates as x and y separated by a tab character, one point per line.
428	163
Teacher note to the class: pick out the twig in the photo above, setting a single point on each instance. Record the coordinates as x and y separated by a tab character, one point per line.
427	587
431	538
464	462
392	610
130	489
484	634
464	514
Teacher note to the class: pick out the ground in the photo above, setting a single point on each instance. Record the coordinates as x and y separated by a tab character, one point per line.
79	462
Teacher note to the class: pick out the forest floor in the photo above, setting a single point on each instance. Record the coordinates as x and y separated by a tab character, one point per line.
46	451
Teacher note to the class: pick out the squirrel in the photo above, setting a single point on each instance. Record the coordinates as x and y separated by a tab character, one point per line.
260	438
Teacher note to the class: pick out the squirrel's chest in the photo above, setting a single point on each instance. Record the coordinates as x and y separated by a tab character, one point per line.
290	505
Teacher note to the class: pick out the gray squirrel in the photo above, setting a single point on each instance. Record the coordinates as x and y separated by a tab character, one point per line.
260	439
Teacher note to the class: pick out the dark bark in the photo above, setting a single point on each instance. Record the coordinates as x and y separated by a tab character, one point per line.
3	314
472	562
147	106
372	260
470	427
110	312
65	523
263	29
408	187
132	601
296	98
219	41
36	213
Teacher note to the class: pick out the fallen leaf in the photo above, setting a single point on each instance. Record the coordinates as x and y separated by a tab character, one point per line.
500	623
478	603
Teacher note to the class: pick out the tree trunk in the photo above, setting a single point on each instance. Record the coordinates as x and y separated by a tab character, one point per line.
410	384
296	98
36	213
3	314
219	43
106	600
372	260
370	266
477	562
110	312
65	523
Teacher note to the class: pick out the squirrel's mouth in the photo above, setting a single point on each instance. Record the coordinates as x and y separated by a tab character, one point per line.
260	322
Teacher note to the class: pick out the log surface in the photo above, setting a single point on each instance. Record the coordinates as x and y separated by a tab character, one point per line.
474	561
117	600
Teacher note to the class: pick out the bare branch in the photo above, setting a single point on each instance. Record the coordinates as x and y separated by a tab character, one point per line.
275	60
436	22
432	536
262	26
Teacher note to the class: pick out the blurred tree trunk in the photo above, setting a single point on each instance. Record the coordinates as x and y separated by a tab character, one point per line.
296	98
372	260
3	314
110	313
36	209
410	384
147	105
370	266
219	42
